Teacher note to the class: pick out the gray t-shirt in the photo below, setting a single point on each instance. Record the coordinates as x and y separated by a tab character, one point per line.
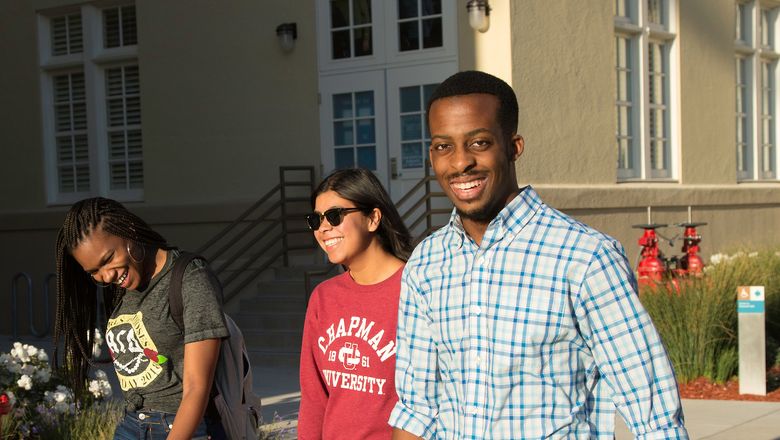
147	346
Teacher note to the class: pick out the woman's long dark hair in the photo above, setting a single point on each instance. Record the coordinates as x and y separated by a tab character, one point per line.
76	312
362	188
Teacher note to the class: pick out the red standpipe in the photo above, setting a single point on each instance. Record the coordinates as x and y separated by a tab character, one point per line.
691	263
651	267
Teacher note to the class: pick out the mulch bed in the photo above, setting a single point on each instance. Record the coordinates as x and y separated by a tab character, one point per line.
702	388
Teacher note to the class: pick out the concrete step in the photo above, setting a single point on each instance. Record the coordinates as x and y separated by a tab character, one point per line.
247	320
277	340
273	358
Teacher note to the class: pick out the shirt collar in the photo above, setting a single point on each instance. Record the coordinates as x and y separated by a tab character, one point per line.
507	223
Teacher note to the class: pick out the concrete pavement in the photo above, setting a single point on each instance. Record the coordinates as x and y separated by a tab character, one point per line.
704	419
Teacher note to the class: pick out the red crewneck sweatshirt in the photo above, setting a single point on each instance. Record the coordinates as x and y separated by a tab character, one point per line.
348	360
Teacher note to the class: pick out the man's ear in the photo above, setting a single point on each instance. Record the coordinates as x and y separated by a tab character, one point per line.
516	147
374	218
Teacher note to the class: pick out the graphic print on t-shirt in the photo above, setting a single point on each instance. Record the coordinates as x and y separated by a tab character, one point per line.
133	351
350	368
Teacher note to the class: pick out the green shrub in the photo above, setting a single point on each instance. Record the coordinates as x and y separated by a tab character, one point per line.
697	318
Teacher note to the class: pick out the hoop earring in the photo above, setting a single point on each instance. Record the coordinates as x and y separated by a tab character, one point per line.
136	260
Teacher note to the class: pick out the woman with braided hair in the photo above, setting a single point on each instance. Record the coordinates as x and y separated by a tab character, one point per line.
166	373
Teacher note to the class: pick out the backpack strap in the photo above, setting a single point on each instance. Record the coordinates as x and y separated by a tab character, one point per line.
175	301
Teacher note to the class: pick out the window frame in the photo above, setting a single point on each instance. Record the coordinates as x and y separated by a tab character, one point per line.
640	34
93	60
385	39
756	54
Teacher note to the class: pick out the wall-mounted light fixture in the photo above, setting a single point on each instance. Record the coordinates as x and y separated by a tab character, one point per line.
479	14
287	34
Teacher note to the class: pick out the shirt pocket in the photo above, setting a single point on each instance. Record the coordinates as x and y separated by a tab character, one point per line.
534	329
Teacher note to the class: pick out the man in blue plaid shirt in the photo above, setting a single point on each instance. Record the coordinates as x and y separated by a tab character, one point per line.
515	320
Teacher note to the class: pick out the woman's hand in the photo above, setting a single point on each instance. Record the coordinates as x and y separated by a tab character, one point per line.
200	361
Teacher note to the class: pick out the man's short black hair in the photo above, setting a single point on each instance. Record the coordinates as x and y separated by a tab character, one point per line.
473	81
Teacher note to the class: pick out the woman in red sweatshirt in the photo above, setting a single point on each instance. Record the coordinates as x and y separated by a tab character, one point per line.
348	353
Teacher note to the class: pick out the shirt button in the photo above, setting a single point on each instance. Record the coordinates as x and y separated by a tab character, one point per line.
475	309
478	360
480	259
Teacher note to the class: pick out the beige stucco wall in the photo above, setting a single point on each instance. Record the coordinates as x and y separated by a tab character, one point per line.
707	101
21	163
562	75
217	82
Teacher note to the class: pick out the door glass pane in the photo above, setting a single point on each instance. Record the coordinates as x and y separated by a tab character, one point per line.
363	42
364	103
366	131
340	44
410	99
408	37
342	133
362	13
344	158
339	13
366	157
407	8
432	33
342	106
412	155
411	127
431	7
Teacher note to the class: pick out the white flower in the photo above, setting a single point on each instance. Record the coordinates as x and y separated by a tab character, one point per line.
11	397
43	375
25	382
31	350
20	352
105	388
94	388
100	374
42	356
718	258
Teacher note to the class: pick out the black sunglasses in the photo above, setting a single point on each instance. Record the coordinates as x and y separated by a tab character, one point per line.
333	215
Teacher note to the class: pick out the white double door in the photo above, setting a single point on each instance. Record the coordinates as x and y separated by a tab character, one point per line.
376	119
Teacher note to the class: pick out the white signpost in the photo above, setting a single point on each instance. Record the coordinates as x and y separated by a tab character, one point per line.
752	340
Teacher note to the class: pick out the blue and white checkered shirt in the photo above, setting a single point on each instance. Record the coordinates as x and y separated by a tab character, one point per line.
536	333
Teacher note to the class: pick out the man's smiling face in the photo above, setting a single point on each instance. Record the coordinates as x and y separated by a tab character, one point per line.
473	160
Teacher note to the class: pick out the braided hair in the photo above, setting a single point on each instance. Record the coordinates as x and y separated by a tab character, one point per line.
76	311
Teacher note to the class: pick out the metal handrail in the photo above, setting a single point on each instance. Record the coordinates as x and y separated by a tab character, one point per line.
15	305
256	227
238	220
246	247
425	199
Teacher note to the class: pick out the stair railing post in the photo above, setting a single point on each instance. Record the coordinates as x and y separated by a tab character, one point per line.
428	215
283	196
